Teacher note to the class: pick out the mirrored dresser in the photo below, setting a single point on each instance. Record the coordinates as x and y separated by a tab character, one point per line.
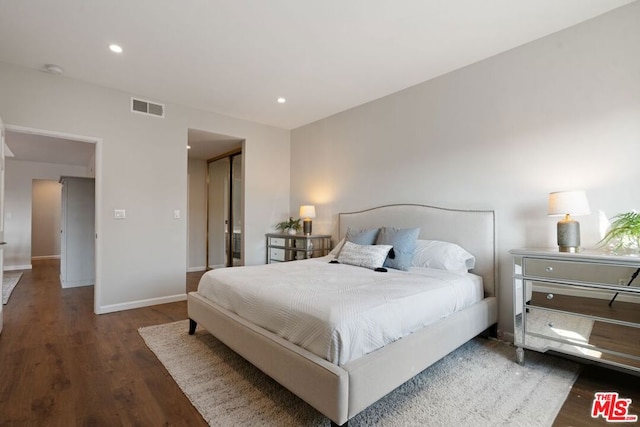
283	247
584	304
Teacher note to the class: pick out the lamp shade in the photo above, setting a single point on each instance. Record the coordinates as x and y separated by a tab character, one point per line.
307	211
563	203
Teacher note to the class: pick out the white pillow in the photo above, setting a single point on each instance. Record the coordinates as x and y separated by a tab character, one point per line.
442	255
368	256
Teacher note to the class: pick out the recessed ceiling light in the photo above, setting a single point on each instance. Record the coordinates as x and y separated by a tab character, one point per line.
115	48
281	100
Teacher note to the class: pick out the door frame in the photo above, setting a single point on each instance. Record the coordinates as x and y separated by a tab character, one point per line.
98	195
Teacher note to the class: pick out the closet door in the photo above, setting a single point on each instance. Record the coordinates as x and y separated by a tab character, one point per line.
236	210
77	242
218	213
224	211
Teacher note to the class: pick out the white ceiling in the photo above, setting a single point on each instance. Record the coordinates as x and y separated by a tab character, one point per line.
207	145
49	149
235	57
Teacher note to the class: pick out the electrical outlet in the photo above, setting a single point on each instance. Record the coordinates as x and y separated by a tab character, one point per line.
176	214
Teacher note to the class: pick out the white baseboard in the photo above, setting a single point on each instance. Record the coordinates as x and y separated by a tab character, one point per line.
140	303
76	284
17	267
195	269
35	258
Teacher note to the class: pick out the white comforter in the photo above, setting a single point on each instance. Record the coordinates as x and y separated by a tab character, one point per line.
339	312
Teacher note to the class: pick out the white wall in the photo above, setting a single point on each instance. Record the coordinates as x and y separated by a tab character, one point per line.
197	214
19	178
45	218
559	113
141	166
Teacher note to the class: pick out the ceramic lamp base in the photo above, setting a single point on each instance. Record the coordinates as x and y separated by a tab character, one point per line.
306	227
568	235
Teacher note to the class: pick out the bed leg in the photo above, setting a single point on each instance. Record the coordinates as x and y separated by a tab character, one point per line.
490	332
493	330
192	326
520	356
346	424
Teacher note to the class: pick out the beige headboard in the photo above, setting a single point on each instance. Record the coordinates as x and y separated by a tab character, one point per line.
474	230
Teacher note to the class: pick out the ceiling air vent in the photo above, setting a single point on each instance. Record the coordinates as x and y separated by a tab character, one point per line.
147	107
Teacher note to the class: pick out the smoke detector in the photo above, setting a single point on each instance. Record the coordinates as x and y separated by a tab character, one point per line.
52	69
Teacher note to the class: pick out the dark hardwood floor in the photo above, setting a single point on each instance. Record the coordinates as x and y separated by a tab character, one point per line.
61	365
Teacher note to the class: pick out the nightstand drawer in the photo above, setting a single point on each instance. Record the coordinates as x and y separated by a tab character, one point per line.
276	254
582	336
276	241
559	326
587	301
576	271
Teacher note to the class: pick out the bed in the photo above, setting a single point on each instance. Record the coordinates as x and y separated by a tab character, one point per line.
343	389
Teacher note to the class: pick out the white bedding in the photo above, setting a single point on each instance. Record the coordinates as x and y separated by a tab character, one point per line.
339	312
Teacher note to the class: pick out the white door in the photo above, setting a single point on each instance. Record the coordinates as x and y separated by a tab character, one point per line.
1	211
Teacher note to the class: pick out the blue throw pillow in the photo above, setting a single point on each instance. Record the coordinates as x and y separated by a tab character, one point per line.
361	236
403	241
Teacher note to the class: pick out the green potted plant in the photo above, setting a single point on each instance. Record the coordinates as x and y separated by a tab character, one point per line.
291	226
623	233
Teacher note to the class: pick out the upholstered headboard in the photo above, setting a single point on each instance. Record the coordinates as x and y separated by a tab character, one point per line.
474	230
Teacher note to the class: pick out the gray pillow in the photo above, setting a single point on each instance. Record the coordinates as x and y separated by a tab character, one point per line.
368	256
362	236
403	241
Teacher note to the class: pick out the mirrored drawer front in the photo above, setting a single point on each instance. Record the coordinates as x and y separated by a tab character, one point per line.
577	271
559	326
276	254
587	301
276	241
583	337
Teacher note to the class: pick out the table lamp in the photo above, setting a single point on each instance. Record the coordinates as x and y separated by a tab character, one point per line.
306	213
567	203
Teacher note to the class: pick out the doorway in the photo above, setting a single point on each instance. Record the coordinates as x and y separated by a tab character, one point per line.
40	158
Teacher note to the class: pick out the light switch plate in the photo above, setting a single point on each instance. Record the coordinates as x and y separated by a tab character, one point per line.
119	214
176	214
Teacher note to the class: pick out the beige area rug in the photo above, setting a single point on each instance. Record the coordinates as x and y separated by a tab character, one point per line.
479	384
9	281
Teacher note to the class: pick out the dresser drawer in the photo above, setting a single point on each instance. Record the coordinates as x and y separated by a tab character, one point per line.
575	271
276	254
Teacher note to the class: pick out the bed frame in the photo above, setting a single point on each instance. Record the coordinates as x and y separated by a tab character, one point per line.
341	392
